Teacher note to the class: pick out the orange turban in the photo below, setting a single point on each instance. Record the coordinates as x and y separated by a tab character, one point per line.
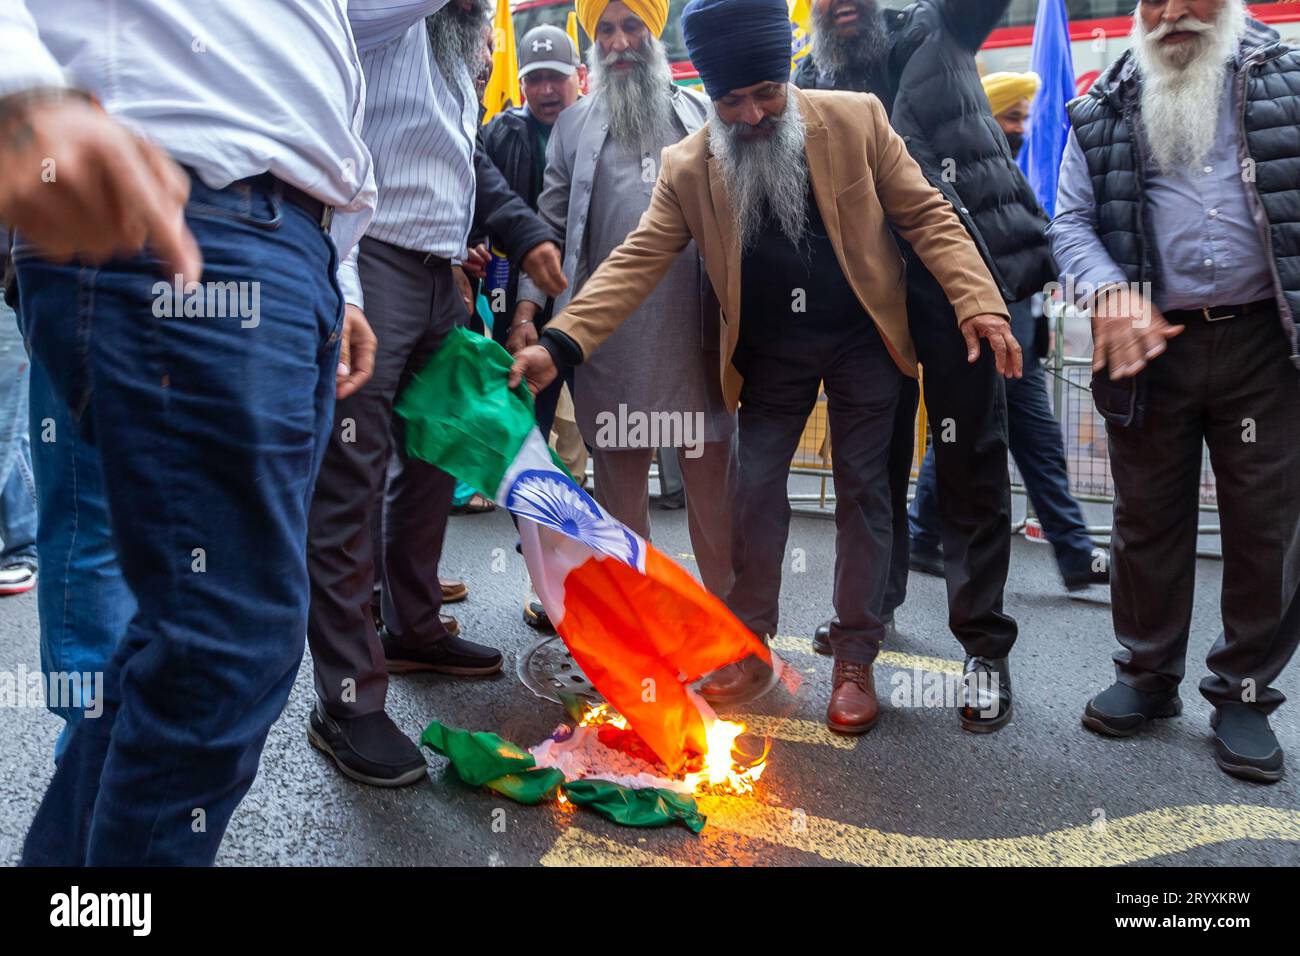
1005	90
653	13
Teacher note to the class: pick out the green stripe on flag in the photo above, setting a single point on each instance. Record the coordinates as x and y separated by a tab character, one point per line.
476	757
460	415
648	807
529	786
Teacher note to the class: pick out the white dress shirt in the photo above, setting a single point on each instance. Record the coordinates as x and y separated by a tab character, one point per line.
231	89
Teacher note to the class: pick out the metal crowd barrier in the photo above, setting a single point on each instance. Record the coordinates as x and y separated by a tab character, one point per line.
1083	430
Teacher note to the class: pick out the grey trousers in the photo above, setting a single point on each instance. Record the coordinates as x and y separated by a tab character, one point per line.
1229	384
623	489
412	304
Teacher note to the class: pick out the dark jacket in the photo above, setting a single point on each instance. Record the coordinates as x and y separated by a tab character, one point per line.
508	143
508	219
1267	97
942	114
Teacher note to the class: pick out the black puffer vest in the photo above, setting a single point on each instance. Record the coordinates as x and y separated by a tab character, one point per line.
1267	96
942	114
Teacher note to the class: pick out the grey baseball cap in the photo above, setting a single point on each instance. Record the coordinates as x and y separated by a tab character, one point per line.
547	48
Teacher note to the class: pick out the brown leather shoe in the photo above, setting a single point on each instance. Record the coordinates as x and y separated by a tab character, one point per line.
451	624
453	591
853	708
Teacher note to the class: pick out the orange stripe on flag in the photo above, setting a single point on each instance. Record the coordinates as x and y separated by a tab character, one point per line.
641	638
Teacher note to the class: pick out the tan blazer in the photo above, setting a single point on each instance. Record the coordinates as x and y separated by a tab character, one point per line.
864	181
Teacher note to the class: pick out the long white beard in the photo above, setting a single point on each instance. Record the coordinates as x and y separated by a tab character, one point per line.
764	176
640	107
1182	86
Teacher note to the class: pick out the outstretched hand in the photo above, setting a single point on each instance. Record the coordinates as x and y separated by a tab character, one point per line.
996	330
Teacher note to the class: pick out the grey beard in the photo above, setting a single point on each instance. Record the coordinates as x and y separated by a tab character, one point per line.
638	100
849	55
1181	102
456	37
764	177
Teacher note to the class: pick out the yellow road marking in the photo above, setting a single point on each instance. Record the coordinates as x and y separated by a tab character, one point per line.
1130	839
796	731
576	847
788	644
1124	840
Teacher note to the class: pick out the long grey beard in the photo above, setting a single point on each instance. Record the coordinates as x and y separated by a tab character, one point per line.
849	55
1182	92
456	37
764	177
639	99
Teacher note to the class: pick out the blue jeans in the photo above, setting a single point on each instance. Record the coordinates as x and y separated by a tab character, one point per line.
83	599
1034	437
210	432
17	486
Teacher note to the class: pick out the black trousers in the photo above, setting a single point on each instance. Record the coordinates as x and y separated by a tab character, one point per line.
411	303
1230	385
967	409
782	378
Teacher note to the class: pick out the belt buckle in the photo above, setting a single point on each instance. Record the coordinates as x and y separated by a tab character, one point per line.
1210	318
327	218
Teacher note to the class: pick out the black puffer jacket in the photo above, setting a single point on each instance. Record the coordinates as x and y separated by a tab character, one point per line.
942	114
1267	97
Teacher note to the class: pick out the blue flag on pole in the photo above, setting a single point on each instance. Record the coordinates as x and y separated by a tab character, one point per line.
1049	128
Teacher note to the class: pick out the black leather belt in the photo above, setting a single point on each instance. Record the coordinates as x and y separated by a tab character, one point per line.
1217	313
319	211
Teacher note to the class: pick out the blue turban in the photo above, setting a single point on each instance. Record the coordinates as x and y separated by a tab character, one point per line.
738	43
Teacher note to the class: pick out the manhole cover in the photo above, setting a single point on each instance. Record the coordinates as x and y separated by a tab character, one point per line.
546	668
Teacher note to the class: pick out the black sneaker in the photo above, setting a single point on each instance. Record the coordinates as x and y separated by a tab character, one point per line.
926	560
449	655
1122	711
369	748
1096	571
1244	745
822	636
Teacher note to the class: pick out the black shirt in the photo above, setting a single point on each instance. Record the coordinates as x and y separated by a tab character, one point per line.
790	290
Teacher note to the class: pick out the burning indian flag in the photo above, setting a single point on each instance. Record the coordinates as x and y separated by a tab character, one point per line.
640	627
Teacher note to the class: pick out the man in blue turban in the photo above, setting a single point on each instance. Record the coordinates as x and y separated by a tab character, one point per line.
791	198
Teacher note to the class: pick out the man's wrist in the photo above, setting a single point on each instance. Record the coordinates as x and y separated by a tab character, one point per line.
1104	293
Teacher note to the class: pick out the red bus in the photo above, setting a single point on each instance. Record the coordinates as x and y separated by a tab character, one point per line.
1099	32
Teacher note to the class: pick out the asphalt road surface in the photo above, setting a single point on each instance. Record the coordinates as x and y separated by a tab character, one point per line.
916	790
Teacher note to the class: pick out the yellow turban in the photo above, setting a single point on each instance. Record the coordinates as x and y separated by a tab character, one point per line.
653	13
1005	90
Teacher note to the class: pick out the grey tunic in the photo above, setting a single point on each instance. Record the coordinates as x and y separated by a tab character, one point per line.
660	359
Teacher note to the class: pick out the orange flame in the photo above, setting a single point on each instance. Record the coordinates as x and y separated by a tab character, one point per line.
720	772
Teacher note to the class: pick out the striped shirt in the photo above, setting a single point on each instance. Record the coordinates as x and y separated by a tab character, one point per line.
421	130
